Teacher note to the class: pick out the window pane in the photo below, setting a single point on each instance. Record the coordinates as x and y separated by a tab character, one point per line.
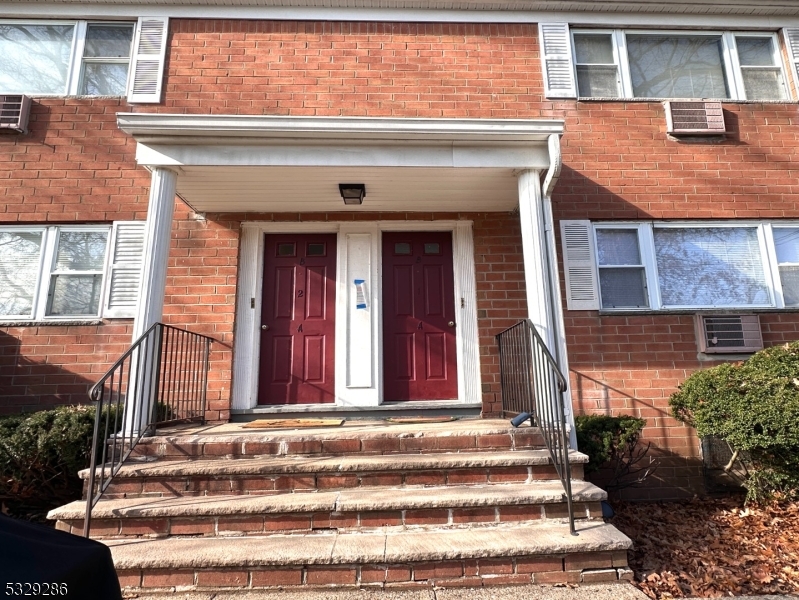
710	266
790	285
104	79
108	41
81	251
432	248
623	288
34	59
316	250
19	267
598	82
74	295
618	247
593	49
763	84
677	66
755	51
402	248
786	241
286	250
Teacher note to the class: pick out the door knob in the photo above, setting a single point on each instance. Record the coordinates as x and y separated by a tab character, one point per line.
451	323
265	327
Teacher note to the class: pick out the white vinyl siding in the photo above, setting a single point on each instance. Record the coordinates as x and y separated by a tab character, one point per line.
686	266
721	65
70	272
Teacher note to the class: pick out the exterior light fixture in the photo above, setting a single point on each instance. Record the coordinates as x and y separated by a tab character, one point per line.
352	193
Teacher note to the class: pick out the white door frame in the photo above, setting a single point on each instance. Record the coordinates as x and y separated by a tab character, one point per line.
359	332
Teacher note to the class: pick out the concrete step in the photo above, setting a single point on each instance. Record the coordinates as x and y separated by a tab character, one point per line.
542	552
270	474
410	507
232	440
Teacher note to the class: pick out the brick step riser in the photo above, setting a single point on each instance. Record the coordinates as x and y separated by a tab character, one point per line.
593	567
207	485
339	447
307	522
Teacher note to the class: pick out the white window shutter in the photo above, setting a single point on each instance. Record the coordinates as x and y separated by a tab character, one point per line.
582	288
124	269
149	54
791	35
556	59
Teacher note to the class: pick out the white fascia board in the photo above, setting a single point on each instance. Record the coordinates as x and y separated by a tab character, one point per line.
149	127
770	16
400	154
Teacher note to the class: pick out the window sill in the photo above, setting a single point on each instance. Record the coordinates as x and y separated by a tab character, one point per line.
661	100
92	321
692	311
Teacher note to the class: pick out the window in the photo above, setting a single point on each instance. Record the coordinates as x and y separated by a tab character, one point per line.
675	266
68	272
65	57
676	64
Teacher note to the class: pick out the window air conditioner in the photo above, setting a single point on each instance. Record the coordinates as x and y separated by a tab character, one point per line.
730	334
14	112
694	118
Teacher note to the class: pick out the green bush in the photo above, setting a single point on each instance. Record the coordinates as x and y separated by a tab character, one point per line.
40	456
753	406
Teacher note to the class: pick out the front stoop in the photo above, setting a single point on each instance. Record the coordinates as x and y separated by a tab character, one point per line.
463	503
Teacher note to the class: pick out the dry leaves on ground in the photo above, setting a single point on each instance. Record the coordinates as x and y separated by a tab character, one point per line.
712	548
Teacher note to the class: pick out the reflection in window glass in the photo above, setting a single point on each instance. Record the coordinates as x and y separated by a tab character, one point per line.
761	74
19	269
597	73
677	66
402	248
35	59
106	58
786	242
76	283
622	276
710	266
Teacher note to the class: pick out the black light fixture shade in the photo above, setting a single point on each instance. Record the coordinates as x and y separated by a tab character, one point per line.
352	193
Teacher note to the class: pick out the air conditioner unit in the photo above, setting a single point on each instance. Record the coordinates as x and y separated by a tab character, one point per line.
694	118
14	112
728	334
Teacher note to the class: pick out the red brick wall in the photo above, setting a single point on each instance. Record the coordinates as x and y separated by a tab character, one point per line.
618	164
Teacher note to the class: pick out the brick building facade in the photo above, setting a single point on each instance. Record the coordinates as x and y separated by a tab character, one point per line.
83	158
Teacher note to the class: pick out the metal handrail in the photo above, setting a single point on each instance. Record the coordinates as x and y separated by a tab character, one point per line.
533	385
162	378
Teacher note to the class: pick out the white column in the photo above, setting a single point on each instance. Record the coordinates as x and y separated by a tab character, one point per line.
531	215
157	239
541	276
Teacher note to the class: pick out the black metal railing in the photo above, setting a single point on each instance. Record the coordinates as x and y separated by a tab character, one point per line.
161	379
533	387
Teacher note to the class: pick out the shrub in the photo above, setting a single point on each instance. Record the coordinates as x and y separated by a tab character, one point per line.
40	456
613	442
754	407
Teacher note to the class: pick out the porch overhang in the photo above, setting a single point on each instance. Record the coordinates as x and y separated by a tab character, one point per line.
233	163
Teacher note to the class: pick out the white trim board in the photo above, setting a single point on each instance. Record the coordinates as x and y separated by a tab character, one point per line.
771	14
353	386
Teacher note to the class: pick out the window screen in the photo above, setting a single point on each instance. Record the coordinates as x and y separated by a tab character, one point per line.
77	277
105	59
760	70
786	242
595	63
622	277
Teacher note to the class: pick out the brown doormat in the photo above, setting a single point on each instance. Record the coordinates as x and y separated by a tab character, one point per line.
291	423
441	419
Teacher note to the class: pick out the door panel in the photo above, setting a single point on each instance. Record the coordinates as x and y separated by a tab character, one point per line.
298	310
419	358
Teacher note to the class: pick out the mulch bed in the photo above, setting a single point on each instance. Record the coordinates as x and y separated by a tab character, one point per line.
711	548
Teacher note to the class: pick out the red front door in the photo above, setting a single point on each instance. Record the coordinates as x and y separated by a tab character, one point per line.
419	359
298	319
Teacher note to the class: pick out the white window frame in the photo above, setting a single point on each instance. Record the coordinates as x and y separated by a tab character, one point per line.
647	248
76	59
47	268
732	67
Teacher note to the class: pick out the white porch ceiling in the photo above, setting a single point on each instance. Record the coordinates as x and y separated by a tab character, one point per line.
315	189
